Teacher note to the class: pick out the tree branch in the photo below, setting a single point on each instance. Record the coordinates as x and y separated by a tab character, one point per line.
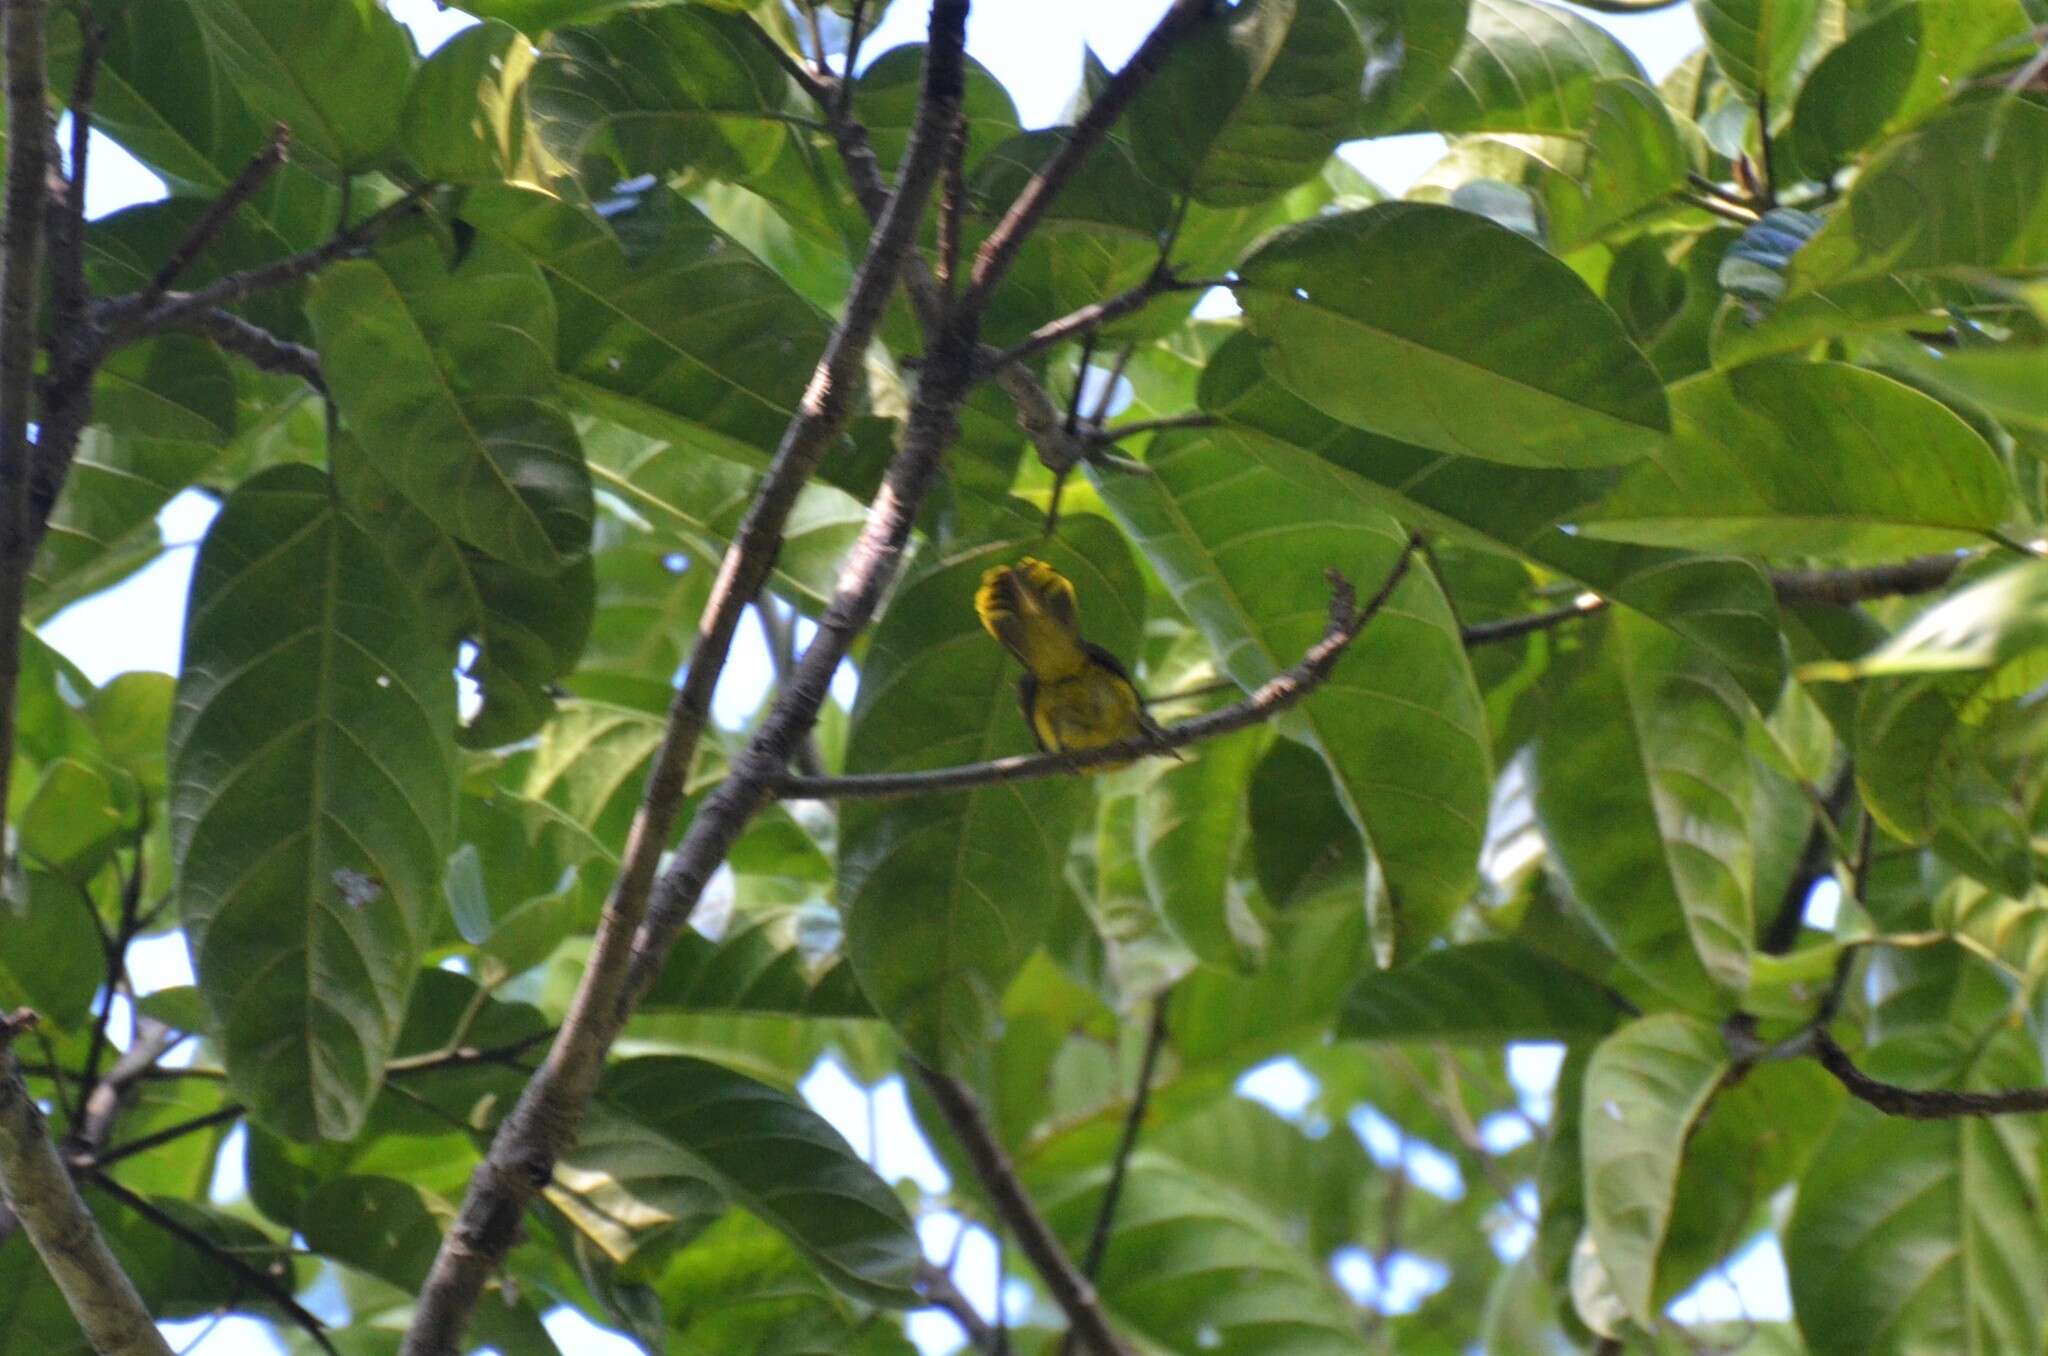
67	245
1845	588
1928	1104
1134	1122
1072	1291
1000	248
1103	437
1488	633
246	185
1816	859
632	935
35	1186
1277	694
268	1286
1095	315
936	1284
257	344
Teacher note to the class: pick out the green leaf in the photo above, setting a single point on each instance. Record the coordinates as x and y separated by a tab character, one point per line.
1194	1265
52	961
1252	105
1483	993
1409	45
1532	370
693	342
1966	190
885	95
1190	826
1630	159
1524	67
1643	790
465	116
945	896
130	715
379	1225
1810	458
159	93
162	412
1916	1236
1998	621
1872	306
760	963
447	379
658	90
1645	1088
1723	605
778	1159
74	819
1400	721
2008	381
1756	43
312	799
334	71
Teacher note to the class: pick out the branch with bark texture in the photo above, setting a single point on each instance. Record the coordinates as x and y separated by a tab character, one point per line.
1272	697
1921	1104
36	1187
544	1122
1070	1289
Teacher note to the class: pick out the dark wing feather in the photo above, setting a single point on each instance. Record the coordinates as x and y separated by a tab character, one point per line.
1027	699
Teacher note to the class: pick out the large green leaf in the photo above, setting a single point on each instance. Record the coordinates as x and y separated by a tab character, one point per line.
1922	1236
51	963
2007	381
1253	104
1645	1087
159	93
312	800
1190	825
162	412
779	1160
1241	528
1530	369
465	115
1966	190
334	71
945	896
693	340
1723	605
655	90
1628	159
1756	43
1485	993
885	96
1810	458
1524	67
447	378
1643	790
1196	1265
1409	45
1876	305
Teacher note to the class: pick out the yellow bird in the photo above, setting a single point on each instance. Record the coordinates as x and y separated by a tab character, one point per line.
1074	694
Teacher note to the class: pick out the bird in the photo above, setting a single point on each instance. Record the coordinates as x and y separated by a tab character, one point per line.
1074	694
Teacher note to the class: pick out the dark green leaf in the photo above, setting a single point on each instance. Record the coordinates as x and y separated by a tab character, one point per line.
1485	993
1190	825
1531	370
465	115
1409	45
313	798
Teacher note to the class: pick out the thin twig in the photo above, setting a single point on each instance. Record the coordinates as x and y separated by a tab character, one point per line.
1127	1143
270	1287
1815	860
1921	1104
641	915
232	1111
936	1284
1767	197
856	34
1094	315
1741	216
1277	694
997	252
1070	1289
245	186
1105	436
1860	584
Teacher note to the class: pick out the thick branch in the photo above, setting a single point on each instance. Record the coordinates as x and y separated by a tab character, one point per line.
1929	1104
1277	694
997	252
67	245
1071	1290
524	1151
35	1186
1844	588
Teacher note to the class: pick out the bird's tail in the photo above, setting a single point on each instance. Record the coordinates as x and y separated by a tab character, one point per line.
1030	608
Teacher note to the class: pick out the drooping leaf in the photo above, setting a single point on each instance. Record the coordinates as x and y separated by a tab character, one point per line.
1252	104
693	341
312	799
334	71
1645	1088
1524	66
1486	993
1531	370
945	896
447	379
1405	738
1809	458
1756	43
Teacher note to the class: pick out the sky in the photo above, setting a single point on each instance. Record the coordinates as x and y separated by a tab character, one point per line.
1034	47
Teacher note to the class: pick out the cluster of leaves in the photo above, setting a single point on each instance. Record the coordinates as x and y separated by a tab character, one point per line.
1589	353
